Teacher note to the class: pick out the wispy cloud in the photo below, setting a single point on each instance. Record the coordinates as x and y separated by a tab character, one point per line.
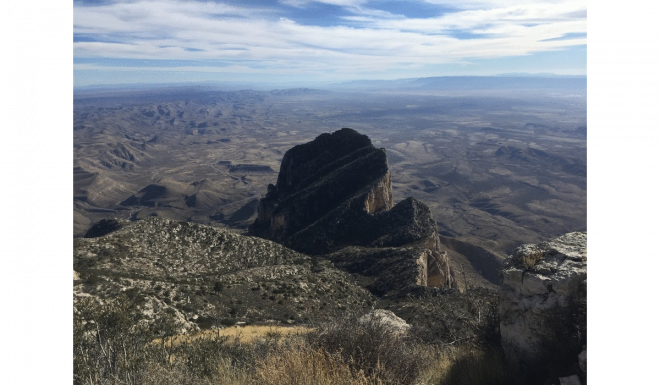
366	38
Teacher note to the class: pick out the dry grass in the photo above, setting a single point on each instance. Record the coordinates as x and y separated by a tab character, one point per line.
244	334
346	351
299	364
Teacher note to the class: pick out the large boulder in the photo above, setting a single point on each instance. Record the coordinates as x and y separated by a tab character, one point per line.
543	305
386	318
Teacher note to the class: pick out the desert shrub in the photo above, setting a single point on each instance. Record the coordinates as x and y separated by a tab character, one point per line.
532	259
93	279
205	322
457	318
298	363
228	321
108	344
202	356
371	346
133	294
111	347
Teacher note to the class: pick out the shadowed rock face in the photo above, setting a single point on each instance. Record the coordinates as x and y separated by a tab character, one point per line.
317	177
336	191
543	302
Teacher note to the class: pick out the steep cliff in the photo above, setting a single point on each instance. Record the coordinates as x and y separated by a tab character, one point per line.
335	192
543	305
318	177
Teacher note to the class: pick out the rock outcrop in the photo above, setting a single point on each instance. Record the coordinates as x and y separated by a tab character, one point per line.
335	192
335	172
543	304
393	270
387	319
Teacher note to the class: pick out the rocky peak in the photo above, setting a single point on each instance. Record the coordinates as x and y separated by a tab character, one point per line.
318	176
304	164
335	192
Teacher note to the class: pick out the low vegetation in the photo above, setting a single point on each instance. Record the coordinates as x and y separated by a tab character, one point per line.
532	259
109	348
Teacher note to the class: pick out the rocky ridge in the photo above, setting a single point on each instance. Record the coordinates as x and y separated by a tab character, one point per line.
208	275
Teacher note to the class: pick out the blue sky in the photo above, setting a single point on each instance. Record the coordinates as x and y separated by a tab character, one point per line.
323	41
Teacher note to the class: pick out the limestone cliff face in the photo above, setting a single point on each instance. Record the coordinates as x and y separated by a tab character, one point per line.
336	191
543	302
380	197
391	270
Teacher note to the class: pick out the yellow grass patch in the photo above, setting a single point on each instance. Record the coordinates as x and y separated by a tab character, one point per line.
242	333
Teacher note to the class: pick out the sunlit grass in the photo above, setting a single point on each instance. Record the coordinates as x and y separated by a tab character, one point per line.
243	334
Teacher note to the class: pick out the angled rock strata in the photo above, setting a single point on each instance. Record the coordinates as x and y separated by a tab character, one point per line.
543	303
335	192
324	177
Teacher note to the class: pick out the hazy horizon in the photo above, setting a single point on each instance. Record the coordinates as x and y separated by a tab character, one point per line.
403	83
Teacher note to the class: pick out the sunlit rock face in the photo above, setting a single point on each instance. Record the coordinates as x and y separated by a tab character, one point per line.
335	192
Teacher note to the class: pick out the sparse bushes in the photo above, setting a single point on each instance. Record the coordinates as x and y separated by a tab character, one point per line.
110	348
450	319
108	345
372	346
298	363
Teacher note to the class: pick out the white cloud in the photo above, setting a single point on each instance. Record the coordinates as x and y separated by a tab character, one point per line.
375	41
343	3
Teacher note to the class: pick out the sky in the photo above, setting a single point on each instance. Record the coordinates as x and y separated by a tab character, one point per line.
323	41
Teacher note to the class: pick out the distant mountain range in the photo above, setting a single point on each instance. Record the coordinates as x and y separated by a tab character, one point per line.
505	81
500	82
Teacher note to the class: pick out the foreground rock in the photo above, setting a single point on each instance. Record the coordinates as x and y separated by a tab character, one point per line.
543	305
336	191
